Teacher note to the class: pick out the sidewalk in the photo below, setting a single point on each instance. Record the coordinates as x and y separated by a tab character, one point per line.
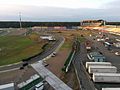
54	81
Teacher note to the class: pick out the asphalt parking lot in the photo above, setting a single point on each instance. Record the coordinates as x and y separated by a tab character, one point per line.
81	57
110	57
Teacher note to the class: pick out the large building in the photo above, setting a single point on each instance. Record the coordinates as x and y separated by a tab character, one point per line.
92	22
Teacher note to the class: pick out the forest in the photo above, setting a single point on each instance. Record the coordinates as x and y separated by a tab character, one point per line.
5	24
16	24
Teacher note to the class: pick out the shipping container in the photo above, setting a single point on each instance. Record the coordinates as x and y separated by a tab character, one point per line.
98	64
106	77
102	69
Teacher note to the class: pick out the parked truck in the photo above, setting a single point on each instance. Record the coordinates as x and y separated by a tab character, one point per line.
102	69
98	64
106	77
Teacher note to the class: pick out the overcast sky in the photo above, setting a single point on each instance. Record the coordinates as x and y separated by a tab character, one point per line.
59	10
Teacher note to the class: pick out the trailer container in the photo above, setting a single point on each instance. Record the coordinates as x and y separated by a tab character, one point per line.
106	77
110	88
98	64
102	69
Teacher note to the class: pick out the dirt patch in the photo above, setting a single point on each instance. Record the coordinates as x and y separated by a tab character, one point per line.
56	63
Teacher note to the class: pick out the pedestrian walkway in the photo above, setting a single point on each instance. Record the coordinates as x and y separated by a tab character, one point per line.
54	81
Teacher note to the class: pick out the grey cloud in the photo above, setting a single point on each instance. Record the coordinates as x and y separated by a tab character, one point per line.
33	13
114	4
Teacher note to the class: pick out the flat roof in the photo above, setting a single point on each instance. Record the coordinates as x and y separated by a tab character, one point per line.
6	85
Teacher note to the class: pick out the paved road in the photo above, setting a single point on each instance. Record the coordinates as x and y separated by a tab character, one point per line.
79	58
37	58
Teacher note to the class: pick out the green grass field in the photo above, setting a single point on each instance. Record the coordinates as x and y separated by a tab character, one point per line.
15	48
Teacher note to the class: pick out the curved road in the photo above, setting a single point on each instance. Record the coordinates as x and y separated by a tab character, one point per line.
34	59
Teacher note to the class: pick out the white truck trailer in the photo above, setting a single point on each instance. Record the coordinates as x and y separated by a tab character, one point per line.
98	64
102	69
106	77
110	88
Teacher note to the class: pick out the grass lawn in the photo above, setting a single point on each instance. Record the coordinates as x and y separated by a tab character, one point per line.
15	48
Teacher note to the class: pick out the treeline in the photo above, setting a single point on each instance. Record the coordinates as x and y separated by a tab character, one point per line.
5	24
13	24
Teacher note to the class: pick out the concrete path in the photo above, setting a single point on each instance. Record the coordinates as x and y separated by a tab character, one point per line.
54	81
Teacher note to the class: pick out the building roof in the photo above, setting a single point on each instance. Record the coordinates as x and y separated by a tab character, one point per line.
92	20
6	86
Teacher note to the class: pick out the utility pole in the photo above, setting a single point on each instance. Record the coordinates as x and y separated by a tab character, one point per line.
20	19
